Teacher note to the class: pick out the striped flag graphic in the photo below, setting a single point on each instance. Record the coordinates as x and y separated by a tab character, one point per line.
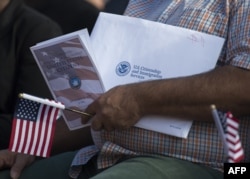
228	127
33	128
235	150
70	74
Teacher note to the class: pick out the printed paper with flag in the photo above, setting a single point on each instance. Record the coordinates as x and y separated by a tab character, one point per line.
33	128
72	78
228	127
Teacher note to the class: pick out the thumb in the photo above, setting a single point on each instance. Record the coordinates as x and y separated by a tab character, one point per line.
16	169
18	166
1	164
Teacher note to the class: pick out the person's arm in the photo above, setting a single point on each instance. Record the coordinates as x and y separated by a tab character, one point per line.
189	97
226	86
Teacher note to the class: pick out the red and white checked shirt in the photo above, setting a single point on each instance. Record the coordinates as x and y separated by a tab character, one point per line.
229	19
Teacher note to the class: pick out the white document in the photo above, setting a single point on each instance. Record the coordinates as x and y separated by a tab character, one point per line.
129	50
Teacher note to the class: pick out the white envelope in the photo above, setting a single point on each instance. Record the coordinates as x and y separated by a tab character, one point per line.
129	50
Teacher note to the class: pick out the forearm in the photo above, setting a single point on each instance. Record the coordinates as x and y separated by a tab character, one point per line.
191	97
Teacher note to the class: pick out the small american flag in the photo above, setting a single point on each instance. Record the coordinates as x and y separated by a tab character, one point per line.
33	128
228	127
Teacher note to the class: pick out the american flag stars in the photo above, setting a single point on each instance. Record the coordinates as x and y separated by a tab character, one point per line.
56	60
27	110
44	53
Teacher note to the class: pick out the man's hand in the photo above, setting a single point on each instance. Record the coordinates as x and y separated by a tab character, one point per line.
15	161
115	109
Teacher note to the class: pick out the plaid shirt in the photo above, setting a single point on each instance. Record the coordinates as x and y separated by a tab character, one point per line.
229	19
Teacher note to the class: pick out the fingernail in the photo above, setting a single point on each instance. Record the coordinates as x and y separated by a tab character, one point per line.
14	175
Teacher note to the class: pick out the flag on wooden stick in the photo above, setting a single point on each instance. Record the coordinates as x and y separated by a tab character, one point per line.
228	127
33	128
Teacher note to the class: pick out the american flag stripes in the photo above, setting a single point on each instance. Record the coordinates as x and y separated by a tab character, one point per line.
235	150
33	128
228	127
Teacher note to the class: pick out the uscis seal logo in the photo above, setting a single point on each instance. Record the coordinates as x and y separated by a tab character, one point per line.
75	82
123	68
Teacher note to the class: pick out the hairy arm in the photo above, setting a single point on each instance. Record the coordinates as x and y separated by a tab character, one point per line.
190	97
227	87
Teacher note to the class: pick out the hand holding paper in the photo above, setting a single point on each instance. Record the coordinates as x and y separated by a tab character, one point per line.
130	50
133	50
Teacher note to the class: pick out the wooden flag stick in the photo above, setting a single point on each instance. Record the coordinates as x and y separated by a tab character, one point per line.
79	112
51	103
